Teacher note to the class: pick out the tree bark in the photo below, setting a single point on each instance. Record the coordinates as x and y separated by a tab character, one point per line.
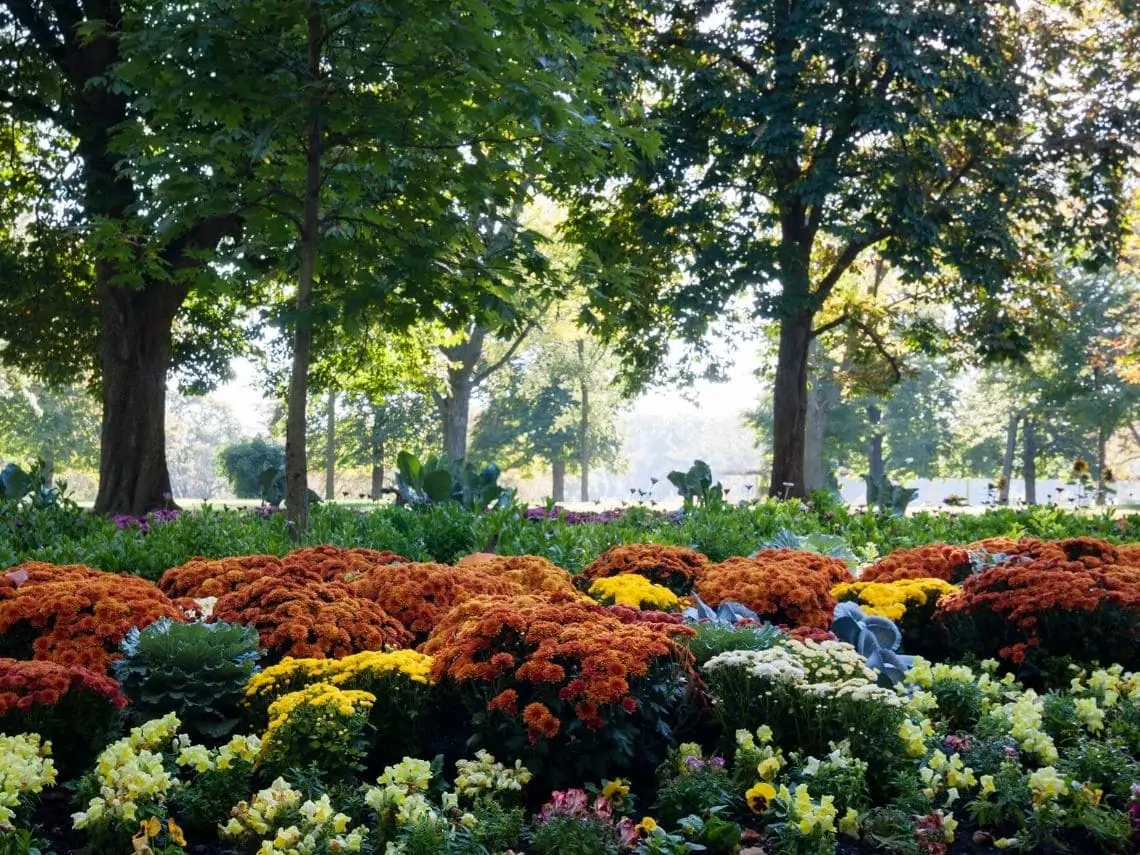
820	402
1101	464
876	467
1029	460
455	407
789	400
1007	464
558	479
584	424
376	450
330	448
296	459
134	359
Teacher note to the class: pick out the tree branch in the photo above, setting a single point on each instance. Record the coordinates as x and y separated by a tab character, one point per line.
829	326
511	351
845	260
880	346
41	31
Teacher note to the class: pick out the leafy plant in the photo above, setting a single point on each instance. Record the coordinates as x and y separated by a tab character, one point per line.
195	670
438	480
888	497
696	486
876	638
831	545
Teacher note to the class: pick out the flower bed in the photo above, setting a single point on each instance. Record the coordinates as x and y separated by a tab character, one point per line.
672	566
560	723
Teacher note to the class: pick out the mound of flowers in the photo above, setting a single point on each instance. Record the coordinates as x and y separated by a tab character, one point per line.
38	572
532	573
79	620
72	707
675	567
418	595
935	561
313	619
542	674
206	577
835	570
786	587
634	591
1050	607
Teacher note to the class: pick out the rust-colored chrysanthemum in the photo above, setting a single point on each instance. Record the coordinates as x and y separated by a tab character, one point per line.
934	561
79	621
1128	554
835	570
556	658
675	567
785	591
336	564
26	684
1056	605
418	595
38	572
532	573
310	619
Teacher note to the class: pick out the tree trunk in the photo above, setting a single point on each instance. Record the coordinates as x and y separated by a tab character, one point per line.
820	402
1007	464
876	467
789	400
330	449
1101	465
1029	461
376	451
558	479
134	359
455	412
296	460
584	425
47	458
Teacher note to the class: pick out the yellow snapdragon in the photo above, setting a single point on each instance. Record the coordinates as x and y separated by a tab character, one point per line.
26	768
485	775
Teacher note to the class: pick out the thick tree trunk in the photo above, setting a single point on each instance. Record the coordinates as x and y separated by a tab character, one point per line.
584	425
1007	463
455	412
134	359
330	448
789	418
558	479
875	464
296	459
1029	461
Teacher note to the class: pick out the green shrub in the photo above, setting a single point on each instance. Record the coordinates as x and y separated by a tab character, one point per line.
195	670
244	464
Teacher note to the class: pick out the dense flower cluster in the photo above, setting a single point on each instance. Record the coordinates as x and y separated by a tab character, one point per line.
935	561
38	572
310	620
79	621
26	769
1089	551
33	687
131	776
894	599
1051	606
535	662
314	825
373	671
675	567
203	577
786	589
243	749
633	591
419	595
835	570
485	775
532	573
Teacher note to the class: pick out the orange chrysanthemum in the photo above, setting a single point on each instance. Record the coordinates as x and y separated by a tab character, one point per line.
79	620
934	561
675	567
532	573
420	594
316	620
785	589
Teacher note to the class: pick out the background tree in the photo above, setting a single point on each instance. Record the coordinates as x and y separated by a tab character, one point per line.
244	463
198	427
801	136
57	425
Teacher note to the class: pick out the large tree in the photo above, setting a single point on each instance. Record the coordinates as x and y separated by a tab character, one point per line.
801	136
98	265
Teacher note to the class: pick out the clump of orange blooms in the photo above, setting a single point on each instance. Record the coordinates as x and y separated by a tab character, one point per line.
38	572
1052	606
418	595
675	567
532	573
532	665
79	620
310	619
785	590
72	707
205	577
935	561
835	570
1089	551
1128	555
